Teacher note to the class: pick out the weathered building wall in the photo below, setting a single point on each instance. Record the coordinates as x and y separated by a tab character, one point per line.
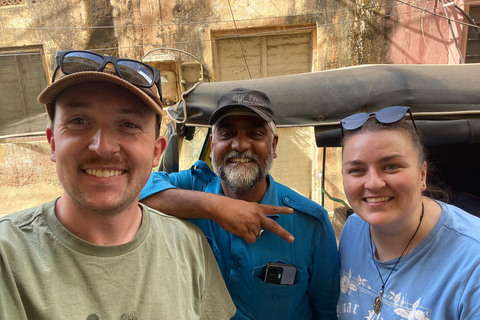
347	33
420	37
27	176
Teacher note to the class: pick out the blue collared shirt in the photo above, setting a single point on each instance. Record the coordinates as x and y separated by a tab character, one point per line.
314	252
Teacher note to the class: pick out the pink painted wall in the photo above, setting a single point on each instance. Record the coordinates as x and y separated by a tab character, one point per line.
423	38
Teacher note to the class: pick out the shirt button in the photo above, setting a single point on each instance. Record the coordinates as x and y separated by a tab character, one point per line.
275	296
234	265
286	199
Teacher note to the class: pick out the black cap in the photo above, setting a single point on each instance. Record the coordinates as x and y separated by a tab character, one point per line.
254	100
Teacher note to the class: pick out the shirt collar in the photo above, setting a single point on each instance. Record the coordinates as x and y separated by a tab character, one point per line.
270	197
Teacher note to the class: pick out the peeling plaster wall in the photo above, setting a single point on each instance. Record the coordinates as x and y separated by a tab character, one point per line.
348	32
351	35
339	44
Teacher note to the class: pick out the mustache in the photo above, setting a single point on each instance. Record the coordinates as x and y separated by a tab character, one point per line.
247	154
95	160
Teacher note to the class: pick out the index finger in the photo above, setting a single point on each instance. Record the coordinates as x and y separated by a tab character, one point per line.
268	210
273	226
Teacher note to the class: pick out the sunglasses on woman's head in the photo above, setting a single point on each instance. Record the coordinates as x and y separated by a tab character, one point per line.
386	116
135	72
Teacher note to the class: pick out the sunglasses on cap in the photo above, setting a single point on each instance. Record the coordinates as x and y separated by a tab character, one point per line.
135	72
386	116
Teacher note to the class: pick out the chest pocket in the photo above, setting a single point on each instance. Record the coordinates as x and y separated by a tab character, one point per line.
272	301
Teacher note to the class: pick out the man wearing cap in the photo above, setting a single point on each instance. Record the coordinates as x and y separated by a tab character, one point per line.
95	252
245	214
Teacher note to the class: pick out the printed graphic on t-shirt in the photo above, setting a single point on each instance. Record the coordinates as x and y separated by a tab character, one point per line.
125	316
396	305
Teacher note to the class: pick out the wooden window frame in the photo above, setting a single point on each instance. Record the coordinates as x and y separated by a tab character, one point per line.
23	51
262	32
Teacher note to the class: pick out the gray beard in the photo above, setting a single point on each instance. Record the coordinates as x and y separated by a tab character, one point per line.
241	181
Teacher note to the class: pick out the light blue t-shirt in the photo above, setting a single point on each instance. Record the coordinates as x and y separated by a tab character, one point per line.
314	252
439	280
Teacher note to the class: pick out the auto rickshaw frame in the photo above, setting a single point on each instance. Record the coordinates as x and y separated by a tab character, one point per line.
444	99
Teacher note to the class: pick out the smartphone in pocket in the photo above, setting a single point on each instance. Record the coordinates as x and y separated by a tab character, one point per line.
280	273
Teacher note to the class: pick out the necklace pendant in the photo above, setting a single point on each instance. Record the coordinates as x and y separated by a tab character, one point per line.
378	303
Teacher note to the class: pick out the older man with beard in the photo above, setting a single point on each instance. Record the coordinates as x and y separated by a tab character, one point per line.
245	214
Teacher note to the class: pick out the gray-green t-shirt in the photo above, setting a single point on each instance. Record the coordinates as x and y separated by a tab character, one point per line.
167	272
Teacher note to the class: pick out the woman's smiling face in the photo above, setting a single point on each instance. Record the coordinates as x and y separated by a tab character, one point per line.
382	177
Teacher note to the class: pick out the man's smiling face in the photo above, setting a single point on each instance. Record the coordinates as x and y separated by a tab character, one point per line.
104	144
243	149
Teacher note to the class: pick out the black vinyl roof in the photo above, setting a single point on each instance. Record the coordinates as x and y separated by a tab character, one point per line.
445	99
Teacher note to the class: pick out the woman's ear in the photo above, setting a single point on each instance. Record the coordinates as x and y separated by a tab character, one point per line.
423	173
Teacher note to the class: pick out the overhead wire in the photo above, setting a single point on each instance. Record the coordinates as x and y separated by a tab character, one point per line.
453	33
205	69
244	35
324	12
200	22
237	20
423	32
437	15
423	10
477	30
239	41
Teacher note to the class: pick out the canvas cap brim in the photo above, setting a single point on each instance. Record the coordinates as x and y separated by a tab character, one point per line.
223	110
245	111
50	94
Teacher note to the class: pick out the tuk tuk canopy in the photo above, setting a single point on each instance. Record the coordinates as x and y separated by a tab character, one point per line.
444	99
